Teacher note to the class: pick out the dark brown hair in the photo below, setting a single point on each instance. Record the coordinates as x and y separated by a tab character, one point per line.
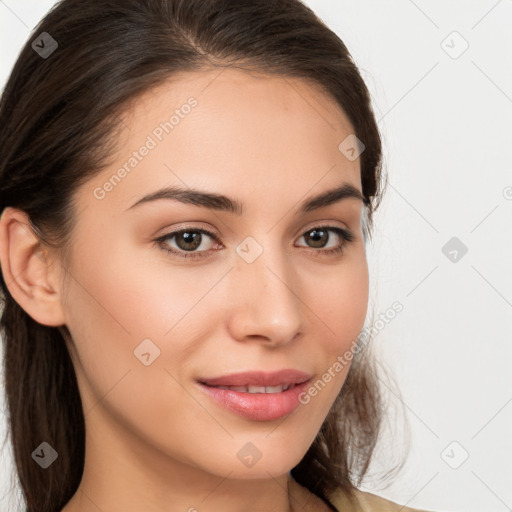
58	118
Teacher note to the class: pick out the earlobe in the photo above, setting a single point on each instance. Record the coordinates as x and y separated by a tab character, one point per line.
26	269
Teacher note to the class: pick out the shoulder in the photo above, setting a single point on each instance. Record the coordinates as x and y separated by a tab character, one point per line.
368	502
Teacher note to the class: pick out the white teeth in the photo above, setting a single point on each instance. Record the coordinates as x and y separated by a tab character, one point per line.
274	389
238	388
257	389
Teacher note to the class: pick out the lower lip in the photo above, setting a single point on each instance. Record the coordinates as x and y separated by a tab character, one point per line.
258	406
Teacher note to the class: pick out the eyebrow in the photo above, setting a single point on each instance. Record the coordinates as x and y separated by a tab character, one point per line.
223	203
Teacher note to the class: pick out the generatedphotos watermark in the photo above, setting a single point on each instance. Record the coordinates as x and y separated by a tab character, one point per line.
152	140
356	346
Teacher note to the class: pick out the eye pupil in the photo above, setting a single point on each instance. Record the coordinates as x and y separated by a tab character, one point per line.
189	237
318	240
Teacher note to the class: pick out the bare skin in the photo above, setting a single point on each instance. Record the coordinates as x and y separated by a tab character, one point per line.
155	441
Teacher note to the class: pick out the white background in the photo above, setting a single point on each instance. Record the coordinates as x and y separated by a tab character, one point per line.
447	129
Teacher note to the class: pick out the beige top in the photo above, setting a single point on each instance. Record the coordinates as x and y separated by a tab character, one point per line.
368	502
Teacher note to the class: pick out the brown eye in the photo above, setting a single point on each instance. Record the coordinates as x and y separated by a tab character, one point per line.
317	237
188	240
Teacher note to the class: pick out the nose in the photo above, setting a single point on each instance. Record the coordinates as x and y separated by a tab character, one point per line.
265	304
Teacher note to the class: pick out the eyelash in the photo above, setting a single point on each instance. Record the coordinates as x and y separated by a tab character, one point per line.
345	234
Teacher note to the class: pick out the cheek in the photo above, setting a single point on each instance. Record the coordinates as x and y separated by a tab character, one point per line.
132	294
123	302
110	308
342	301
119	299
339	301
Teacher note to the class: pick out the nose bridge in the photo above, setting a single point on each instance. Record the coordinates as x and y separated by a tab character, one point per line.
266	303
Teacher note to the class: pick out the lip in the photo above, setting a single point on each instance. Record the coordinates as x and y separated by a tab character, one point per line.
258	406
258	378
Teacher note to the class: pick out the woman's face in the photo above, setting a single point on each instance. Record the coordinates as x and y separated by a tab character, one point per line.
263	292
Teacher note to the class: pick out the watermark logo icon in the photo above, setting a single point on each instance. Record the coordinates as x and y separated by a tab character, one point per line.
454	249
249	455
249	249
454	45
44	455
455	455
44	45
146	352
351	147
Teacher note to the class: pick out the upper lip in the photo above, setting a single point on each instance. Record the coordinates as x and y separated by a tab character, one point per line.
258	378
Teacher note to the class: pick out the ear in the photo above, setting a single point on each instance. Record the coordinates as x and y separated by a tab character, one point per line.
27	270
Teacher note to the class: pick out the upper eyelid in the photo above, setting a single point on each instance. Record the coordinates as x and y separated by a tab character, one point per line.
345	235
213	232
216	237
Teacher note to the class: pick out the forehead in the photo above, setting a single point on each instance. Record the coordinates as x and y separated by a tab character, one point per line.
253	136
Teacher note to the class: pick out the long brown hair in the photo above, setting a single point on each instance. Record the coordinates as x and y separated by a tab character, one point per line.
58	119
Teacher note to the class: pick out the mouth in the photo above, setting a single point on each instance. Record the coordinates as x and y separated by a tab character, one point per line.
257	389
258	396
250	380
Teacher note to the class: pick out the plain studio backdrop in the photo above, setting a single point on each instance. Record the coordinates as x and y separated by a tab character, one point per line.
440	76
